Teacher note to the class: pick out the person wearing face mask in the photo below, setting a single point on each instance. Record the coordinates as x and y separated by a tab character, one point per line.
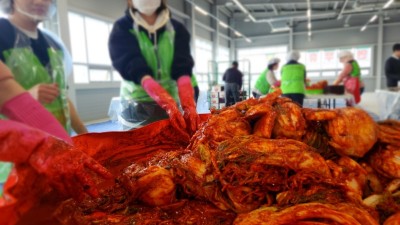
37	59
41	151
37	62
267	81
151	51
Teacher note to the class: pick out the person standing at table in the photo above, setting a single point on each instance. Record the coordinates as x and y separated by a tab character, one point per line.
151	51
350	76
267	80
42	152
392	68
233	78
294	78
37	59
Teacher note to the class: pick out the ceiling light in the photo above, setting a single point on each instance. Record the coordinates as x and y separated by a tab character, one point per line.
388	4
281	29
200	10
309	33
240	5
238	34
248	40
309	26
252	18
373	18
364	28
224	25
309	13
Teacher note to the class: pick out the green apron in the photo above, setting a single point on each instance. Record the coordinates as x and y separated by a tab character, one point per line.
28	71
262	84
356	72
159	57
194	81
293	79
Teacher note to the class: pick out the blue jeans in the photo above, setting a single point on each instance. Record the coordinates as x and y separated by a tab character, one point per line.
231	93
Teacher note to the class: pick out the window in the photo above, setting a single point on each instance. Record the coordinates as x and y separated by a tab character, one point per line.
325	62
203	57
89	45
258	58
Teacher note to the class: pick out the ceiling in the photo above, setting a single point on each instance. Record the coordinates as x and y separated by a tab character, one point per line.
280	14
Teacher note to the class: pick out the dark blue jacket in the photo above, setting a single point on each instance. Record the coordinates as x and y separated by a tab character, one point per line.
127	58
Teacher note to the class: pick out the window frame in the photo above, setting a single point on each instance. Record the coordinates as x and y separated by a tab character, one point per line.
92	66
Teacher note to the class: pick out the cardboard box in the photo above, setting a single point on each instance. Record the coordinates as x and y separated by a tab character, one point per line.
215	101
214	106
216	88
214	94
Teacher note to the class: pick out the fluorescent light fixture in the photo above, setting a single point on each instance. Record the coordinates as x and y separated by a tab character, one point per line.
240	5
252	18
238	34
364	28
309	26
373	18
309	33
200	10
309	13
248	40
223	24
390	2
281	29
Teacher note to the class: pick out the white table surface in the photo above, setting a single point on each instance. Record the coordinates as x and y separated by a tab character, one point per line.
329	96
389	104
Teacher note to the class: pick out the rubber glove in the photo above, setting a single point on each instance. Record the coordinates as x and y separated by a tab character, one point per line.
186	95
68	170
23	108
165	101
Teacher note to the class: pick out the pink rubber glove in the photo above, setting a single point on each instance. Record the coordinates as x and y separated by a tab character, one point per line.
186	95
23	108
165	101
68	170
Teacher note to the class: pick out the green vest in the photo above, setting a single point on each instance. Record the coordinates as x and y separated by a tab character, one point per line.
356	72
292	81
159	58
262	84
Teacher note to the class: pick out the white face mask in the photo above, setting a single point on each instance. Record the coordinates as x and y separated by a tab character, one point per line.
37	13
147	7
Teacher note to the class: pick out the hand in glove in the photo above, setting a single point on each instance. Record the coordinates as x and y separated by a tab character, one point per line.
165	101
186	95
68	170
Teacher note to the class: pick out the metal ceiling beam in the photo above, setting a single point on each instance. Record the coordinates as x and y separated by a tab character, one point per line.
343	8
277	2
275	9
